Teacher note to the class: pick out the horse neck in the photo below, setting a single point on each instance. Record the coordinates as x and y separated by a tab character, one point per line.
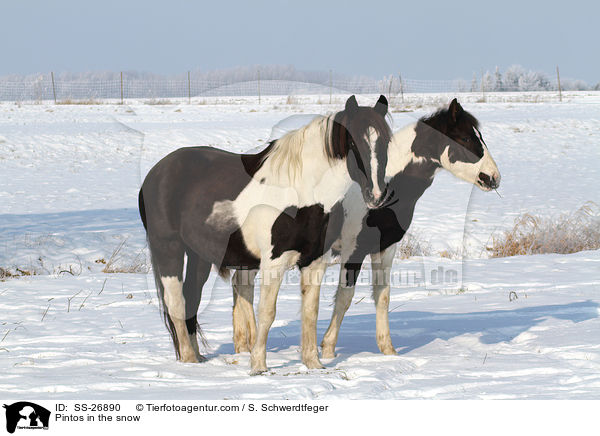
326	179
310	173
403	160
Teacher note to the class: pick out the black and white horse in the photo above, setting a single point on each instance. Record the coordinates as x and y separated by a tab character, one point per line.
449	139
267	211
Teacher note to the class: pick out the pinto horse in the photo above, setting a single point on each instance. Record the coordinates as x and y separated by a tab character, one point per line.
448	139
267	211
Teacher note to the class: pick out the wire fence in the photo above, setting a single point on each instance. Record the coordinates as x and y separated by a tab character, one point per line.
47	87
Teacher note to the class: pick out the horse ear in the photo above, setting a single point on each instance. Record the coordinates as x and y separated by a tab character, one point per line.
381	107
455	110
351	105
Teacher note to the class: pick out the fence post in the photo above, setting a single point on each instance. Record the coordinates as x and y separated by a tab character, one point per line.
330	86
401	87
53	87
121	87
189	89
559	88
258	75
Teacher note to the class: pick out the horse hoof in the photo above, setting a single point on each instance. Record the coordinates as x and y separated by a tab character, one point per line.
389	351
327	353
191	359
258	371
314	365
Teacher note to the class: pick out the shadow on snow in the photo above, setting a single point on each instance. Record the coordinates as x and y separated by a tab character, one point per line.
413	329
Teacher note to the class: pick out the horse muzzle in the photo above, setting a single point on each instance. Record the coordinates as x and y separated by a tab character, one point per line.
488	182
381	201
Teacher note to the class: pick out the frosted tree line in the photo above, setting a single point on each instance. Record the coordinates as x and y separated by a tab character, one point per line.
517	78
269	79
514	78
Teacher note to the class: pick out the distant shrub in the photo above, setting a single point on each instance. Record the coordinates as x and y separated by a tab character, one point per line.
567	233
158	102
88	102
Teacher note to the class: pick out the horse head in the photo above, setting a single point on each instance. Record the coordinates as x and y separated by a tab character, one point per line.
361	135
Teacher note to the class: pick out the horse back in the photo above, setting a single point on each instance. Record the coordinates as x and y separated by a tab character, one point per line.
190	180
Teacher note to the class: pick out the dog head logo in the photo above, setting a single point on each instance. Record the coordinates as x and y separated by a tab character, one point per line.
26	415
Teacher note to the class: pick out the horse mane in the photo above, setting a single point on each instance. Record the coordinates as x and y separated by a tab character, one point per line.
441	119
286	152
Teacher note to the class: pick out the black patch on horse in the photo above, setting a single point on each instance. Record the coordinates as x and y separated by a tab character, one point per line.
385	226
253	162
308	230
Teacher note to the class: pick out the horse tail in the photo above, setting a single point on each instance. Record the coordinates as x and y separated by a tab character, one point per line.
224	273
160	290
142	209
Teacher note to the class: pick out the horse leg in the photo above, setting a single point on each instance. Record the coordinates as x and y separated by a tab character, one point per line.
244	323
271	278
196	274
167	262
381	266
310	282
343	298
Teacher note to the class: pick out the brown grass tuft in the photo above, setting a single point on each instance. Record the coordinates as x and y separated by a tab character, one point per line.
158	102
90	101
411	245
6	273
567	233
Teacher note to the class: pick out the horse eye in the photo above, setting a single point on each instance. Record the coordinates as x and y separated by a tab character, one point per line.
467	139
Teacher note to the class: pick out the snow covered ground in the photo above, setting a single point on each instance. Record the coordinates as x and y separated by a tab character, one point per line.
521	327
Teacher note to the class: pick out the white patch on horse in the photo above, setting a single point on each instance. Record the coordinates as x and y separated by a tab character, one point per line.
175	302
173	290
371	137
320	181
256	229
331	187
470	171
400	152
221	217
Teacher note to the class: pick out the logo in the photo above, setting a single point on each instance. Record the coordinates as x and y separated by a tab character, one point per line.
25	415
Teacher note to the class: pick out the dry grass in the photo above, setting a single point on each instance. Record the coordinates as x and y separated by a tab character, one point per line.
567	233
6	273
451	253
119	263
160	101
411	245
90	101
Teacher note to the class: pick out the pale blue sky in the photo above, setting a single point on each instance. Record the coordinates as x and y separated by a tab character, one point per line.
420	39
